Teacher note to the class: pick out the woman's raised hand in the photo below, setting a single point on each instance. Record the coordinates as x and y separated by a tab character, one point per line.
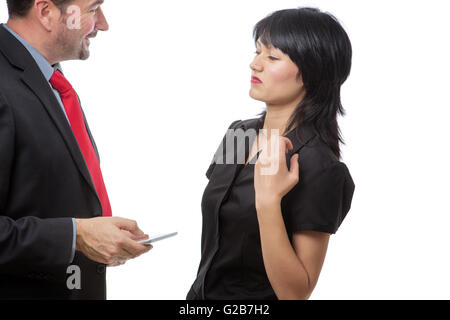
272	179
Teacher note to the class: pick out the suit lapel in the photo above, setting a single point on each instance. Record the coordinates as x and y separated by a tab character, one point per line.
32	76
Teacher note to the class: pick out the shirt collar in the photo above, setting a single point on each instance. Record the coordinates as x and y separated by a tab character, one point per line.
299	136
45	67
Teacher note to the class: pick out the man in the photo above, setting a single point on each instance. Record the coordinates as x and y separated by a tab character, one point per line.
56	230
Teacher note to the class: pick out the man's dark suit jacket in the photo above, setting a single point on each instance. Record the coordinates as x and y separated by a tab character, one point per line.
44	182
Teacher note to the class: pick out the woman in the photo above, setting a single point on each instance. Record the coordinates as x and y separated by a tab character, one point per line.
265	235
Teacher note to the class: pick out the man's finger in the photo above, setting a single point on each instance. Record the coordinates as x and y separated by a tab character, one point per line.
134	236
129	225
133	248
117	263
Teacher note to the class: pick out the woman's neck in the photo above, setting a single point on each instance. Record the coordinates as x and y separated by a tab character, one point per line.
277	117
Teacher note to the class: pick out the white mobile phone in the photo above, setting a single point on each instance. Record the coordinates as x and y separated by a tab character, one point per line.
158	237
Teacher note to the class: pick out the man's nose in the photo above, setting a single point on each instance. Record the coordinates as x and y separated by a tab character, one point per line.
102	24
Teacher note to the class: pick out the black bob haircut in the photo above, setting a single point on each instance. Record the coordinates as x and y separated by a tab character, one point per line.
20	8
319	46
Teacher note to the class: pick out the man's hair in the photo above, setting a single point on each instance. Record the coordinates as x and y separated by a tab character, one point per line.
20	8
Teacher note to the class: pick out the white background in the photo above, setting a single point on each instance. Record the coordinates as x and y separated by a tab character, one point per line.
162	86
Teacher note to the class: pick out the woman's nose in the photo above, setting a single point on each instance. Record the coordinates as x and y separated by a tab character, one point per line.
255	66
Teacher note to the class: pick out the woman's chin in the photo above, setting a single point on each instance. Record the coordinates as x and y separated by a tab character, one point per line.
256	96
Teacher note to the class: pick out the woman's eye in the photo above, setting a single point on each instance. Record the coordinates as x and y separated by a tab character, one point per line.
270	57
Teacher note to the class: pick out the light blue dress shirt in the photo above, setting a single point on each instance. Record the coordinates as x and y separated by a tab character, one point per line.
47	70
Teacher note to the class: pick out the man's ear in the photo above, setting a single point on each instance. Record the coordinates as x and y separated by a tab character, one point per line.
46	13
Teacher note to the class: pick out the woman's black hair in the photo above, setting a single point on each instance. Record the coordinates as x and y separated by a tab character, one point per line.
319	46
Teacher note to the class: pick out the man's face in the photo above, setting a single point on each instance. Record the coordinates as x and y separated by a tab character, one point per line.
80	22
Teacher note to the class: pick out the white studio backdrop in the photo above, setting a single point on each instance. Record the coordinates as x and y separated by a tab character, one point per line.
164	83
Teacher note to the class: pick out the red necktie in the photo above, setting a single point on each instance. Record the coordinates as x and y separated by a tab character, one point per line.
73	110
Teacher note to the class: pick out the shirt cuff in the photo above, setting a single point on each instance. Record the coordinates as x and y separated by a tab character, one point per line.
74	240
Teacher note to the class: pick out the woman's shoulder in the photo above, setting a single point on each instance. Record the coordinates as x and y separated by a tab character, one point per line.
317	152
316	156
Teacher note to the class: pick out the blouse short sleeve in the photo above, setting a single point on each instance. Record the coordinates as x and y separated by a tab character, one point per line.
321	199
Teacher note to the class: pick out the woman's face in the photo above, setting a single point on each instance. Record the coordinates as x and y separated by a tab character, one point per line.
275	77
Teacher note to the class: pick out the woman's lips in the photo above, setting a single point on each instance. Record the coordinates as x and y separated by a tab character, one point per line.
256	80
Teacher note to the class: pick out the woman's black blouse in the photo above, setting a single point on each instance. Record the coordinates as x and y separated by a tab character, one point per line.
231	265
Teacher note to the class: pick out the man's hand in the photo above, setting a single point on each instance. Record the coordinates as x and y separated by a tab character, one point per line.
111	241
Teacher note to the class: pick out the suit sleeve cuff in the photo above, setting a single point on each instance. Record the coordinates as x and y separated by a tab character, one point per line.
74	240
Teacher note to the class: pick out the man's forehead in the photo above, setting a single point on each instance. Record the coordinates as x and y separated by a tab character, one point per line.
87	3
93	3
